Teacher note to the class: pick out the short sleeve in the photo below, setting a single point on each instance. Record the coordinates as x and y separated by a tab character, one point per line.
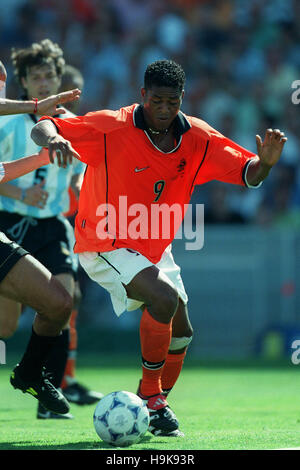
224	161
84	137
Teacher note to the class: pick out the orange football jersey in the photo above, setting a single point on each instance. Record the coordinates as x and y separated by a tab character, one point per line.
128	179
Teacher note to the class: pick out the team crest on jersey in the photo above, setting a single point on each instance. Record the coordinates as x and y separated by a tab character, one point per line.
181	167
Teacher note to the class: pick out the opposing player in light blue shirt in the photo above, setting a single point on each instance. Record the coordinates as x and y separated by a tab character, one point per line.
27	281
31	206
54	181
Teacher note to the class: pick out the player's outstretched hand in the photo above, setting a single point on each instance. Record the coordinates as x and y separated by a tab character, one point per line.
49	107
62	150
270	149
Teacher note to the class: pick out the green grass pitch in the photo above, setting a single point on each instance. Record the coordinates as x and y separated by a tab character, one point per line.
217	407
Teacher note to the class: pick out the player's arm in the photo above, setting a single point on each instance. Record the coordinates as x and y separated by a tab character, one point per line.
32	196
47	106
268	154
17	168
76	183
45	134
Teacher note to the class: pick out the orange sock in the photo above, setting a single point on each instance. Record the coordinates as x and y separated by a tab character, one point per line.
71	361
155	340
171	371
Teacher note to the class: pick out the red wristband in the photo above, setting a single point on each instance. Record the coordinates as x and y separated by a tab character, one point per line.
35	106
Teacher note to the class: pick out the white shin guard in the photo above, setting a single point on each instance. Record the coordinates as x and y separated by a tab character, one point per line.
180	343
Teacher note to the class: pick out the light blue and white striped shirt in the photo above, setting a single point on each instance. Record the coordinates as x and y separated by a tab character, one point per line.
15	142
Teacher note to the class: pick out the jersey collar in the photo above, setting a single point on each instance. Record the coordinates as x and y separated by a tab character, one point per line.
181	123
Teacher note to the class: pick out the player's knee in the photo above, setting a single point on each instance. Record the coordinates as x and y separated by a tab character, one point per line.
166	305
62	311
66	306
188	332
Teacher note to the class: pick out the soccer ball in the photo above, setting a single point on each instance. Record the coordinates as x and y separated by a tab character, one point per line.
121	418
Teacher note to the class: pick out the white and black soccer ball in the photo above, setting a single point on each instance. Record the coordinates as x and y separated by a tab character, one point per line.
121	418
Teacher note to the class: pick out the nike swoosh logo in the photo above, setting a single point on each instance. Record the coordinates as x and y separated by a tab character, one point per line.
153	365
137	170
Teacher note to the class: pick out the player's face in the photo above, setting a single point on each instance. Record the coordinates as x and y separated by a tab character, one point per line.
41	81
161	106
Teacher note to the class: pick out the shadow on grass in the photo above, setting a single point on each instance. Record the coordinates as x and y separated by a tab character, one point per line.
89	445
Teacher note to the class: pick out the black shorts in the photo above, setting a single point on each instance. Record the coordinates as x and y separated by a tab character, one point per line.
49	240
10	253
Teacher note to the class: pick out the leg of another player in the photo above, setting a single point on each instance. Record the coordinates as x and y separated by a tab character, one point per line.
30	283
74	391
57	359
10	312
69	374
182	333
160	298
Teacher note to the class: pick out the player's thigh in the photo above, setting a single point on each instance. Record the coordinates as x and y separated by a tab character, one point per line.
10	312
57	254
154	289
30	283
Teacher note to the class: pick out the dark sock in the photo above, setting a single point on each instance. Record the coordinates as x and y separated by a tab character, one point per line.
57	359
36	354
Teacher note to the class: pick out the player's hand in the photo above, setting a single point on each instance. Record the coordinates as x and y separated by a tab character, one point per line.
62	150
270	149
49	107
36	196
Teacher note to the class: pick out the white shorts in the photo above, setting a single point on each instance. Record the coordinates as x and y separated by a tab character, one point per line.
112	269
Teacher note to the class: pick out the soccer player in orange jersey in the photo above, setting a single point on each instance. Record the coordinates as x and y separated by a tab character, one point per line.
149	155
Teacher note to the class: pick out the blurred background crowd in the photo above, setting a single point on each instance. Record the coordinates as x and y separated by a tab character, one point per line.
241	58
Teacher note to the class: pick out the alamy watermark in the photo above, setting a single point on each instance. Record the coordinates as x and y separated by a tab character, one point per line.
296	354
2	352
153	222
296	93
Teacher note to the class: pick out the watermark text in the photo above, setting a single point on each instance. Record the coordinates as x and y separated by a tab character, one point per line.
2	352
296	354
153	222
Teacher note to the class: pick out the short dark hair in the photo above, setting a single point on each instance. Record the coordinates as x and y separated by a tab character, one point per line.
39	53
165	73
71	77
